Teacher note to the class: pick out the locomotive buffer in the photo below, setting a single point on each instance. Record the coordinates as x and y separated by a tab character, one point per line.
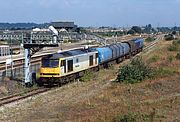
31	48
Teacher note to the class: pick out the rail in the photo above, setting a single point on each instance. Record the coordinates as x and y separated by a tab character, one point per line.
21	96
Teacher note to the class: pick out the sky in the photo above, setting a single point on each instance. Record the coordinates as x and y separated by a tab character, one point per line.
115	13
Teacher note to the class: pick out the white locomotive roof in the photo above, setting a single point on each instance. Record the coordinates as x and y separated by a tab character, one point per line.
68	54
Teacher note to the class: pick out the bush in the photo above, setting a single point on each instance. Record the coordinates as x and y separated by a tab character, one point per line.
87	76
164	72
170	58
127	118
176	42
178	56
172	48
154	58
169	37
134	72
132	32
133	117
150	39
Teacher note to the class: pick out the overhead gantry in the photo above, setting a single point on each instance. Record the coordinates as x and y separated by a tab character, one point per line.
31	48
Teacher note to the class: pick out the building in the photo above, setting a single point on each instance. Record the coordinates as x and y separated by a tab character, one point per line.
69	26
4	50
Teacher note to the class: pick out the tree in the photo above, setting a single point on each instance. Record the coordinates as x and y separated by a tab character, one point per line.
174	32
149	26
137	29
169	37
148	29
132	32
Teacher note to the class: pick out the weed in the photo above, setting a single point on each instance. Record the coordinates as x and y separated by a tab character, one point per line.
172	48
133	117
4	91
175	45
87	76
150	39
170	58
176	42
112	67
178	56
161	72
90	105
154	58
126	118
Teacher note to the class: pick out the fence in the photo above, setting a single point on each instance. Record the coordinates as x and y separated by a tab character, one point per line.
18	73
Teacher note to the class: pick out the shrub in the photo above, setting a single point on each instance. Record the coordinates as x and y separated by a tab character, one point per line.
170	58
172	48
134	72
154	58
133	117
126	118
150	39
132	32
178	56
176	42
163	72
87	76
175	46
169	37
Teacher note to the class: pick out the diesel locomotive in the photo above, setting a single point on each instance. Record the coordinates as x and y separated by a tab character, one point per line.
68	65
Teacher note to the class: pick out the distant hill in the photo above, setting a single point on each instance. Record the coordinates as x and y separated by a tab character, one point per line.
18	26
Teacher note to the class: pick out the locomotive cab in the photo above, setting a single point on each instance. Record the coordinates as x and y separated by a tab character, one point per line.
50	68
60	67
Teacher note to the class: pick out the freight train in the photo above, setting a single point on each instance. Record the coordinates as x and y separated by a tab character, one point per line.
64	66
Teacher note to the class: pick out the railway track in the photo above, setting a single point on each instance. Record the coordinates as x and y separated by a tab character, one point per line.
21	96
151	45
19	64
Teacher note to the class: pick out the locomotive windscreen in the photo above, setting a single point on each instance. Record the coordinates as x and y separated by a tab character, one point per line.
52	63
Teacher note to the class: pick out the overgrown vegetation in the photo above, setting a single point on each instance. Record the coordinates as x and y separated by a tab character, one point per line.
153	59
172	48
126	118
134	72
87	76
169	37
176	42
170	58
133	117
175	46
150	39
164	72
178	56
